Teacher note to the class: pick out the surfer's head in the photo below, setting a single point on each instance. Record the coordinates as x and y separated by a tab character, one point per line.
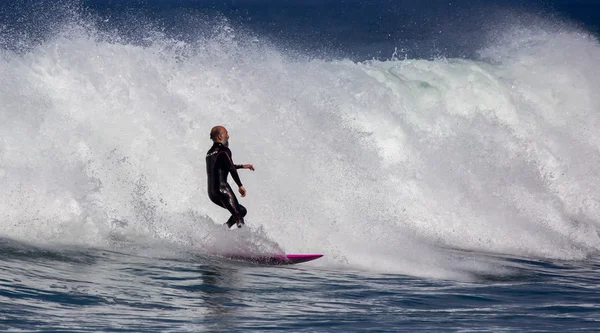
220	134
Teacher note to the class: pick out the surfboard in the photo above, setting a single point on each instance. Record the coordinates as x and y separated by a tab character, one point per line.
275	259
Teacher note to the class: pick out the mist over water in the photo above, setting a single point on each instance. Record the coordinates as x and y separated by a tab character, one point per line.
380	165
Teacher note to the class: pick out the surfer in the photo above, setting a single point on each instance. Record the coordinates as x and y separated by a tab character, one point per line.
219	165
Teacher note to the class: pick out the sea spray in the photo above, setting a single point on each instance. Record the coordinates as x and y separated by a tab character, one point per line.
380	165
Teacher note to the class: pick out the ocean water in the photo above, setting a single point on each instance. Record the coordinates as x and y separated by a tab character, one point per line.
443	156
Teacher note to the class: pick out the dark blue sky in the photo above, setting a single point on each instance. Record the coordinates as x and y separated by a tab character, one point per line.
342	28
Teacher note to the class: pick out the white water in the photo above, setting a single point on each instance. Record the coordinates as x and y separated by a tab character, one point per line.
378	165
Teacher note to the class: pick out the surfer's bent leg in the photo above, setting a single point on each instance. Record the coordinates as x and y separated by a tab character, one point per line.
229	201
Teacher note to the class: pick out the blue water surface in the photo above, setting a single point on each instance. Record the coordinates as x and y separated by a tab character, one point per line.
66	289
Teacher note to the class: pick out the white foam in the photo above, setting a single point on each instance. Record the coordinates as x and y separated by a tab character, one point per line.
375	164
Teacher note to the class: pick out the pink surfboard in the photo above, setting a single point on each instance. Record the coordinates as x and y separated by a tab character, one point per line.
275	259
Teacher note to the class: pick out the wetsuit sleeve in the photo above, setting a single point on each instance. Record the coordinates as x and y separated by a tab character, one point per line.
232	168
239	166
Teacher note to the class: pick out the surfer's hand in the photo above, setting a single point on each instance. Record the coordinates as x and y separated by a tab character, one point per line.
249	166
242	191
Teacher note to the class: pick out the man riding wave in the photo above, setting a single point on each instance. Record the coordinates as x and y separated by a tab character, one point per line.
219	165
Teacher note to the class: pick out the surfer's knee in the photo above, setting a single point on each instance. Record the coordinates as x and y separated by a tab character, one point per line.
242	210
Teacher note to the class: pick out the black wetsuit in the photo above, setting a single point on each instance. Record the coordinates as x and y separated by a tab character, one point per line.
218	166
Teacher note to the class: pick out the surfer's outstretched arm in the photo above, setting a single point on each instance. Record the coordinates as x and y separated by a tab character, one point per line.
233	170
244	166
241	188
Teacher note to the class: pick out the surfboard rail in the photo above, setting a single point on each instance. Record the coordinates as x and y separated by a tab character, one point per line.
275	259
